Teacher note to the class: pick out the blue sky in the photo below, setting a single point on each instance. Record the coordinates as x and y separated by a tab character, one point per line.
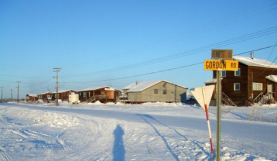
97	43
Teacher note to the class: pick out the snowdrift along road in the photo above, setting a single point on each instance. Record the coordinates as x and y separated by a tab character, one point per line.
133	132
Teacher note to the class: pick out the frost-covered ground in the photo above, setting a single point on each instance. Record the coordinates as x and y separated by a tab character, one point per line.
133	132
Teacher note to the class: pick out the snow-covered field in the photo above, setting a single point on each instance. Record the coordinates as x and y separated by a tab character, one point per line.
133	132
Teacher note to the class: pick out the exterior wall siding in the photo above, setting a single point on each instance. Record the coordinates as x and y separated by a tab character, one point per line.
248	75
134	97
148	95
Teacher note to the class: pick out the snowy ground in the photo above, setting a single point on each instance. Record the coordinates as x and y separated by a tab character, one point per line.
133	132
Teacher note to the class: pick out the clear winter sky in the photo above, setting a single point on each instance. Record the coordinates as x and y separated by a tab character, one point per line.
96	43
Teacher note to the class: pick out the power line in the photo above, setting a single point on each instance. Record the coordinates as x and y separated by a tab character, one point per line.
165	70
250	36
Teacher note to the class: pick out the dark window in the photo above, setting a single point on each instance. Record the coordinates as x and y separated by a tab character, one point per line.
237	73
236	86
164	91
224	73
155	91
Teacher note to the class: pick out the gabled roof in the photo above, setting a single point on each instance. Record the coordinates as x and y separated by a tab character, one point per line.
273	78
48	92
106	88
62	91
32	95
53	92
140	86
255	62
214	80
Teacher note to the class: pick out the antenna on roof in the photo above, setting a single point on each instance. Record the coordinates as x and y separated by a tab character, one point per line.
252	55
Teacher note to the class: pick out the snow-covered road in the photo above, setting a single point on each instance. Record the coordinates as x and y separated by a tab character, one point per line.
130	132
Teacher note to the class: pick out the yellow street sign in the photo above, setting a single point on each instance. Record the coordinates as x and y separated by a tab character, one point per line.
225	54
229	65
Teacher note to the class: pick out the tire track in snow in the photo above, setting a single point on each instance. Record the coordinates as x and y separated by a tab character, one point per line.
3	155
178	149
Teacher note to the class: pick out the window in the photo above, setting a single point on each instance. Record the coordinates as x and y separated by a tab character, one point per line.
237	73
236	86
224	73
84	94
155	91
164	91
257	86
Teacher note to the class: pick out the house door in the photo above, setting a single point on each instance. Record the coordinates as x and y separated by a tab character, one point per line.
270	90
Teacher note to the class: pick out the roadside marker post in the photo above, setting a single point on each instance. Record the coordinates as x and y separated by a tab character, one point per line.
208	121
203	96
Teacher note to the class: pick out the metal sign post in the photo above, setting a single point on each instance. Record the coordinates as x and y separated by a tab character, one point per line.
224	61
218	117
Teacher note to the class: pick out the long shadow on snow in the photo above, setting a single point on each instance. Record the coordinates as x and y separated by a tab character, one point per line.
240	116
143	116
159	134
118	149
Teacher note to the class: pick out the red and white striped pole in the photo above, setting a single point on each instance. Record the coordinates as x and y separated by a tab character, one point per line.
209	128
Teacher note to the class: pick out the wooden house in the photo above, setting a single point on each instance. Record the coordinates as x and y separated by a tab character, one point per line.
47	96
51	96
103	94
154	91
254	82
64	94
31	97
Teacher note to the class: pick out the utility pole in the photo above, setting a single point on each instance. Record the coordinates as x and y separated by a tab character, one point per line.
11	95
57	85
17	91
1	94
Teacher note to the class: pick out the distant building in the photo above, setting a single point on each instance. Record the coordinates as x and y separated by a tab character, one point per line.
254	82
154	91
51	96
31	97
103	94
47	96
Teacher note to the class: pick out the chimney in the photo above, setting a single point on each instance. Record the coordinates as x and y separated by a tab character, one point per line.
136	83
252	55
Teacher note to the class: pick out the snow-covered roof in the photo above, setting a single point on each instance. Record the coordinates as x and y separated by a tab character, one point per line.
211	81
62	91
45	93
140	86
255	62
32	95
106	88
214	80
273	78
